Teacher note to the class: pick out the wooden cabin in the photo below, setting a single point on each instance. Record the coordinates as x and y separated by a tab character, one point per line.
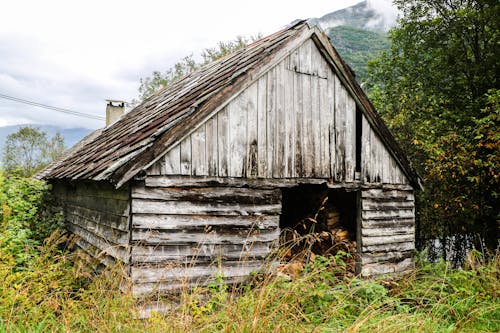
193	182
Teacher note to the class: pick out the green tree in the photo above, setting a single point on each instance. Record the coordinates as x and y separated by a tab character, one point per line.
437	88
186	65
29	150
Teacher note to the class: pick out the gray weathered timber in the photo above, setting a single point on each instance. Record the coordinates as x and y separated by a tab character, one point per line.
195	226
99	215
297	120
387	230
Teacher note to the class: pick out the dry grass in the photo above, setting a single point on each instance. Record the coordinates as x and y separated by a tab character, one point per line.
52	294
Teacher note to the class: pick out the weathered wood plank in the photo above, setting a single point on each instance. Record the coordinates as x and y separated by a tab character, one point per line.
280	160
199	252
264	183
91	189
155	274
386	268
307	128
238	136
380	232
340	106
389	223
387	214
104	205
389	194
263	168
117	251
252	132
298	111
198	153
203	222
172	160
225	236
211	143
391	239
196	208
383	257
182	284
368	204
407	246
316	126
110	219
115	236
332	150
289	124
208	194
350	138
185	156
271	121
223	142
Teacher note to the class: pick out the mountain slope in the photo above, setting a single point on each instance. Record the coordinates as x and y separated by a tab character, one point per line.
358	33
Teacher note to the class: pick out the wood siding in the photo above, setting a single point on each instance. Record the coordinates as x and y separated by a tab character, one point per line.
187	236
99	215
296	121
387	226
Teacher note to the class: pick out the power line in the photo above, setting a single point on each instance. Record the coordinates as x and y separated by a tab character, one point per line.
53	108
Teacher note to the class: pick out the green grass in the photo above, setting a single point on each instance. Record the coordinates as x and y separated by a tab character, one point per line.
53	294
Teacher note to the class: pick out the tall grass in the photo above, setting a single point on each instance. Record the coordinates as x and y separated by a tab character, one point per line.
54	294
44	289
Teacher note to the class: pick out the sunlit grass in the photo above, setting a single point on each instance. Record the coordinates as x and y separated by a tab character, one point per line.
54	294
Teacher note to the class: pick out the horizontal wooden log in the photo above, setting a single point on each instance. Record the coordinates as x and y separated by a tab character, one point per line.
387	214
195	208
92	188
368	241
177	285
114	221
117	251
389	205
177	273
382	257
388	223
230	236
209	194
406	246
114	236
387	186
387	268
258	183
95	253
377	232
199	252
387	194
119	207
202	222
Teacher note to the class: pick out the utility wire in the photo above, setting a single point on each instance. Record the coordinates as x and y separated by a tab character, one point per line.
53	108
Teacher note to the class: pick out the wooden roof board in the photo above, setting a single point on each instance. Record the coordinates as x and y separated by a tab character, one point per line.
143	135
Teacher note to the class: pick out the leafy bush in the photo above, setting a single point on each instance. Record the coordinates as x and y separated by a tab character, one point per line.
25	223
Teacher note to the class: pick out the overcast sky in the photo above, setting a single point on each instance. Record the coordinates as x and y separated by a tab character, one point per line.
75	54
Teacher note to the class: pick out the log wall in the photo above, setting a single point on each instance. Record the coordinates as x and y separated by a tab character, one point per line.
387	229
99	215
296	121
187	236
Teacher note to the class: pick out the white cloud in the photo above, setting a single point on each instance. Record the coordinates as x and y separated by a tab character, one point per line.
75	54
386	11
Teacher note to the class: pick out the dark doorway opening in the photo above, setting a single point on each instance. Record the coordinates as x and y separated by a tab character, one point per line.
318	221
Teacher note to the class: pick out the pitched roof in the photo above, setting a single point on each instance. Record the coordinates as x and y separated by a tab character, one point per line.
121	151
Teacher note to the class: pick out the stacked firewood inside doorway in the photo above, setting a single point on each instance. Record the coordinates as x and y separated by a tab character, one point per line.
317	222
